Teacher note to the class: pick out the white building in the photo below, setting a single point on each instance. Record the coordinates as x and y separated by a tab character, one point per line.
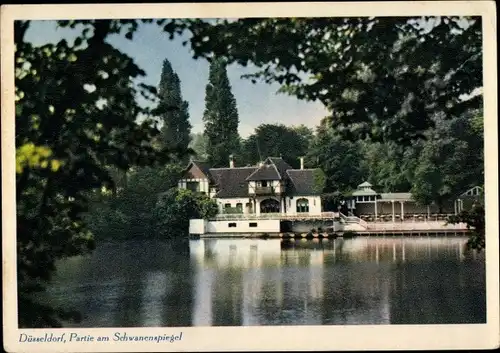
272	187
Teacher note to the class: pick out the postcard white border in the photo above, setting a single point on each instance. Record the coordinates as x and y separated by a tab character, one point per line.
477	336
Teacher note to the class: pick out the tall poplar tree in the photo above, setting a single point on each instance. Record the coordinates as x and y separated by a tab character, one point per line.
176	129
220	117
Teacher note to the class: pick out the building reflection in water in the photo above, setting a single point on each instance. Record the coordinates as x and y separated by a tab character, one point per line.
272	282
220	282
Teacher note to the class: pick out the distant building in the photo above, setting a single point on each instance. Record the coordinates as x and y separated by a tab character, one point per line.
370	204
271	187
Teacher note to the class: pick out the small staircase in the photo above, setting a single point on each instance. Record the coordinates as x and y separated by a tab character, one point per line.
351	220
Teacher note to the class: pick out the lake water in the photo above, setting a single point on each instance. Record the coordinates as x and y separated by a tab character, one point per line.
221	282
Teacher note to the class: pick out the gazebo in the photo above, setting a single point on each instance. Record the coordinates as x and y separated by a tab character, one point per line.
368	200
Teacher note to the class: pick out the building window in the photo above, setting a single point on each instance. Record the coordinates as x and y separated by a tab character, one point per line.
231	225
239	207
269	206
227	205
263	183
302	206
193	186
252	225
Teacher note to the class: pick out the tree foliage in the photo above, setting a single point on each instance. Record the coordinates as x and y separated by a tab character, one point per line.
392	80
199	145
451	161
319	178
220	116
173	111
131	212
276	140
76	115
340	160
176	206
474	218
382	77
389	166
332	201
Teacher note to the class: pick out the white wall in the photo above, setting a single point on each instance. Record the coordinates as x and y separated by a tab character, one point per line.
352	226
276	185
233	202
251	187
197	226
291	204
263	226
205	186
314	204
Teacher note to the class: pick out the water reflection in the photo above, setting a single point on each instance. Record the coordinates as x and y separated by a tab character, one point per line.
221	282
356	281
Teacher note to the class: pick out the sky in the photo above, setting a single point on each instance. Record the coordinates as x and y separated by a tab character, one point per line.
257	103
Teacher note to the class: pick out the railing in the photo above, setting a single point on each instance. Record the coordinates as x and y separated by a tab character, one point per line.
244	216
412	223
353	220
410	217
402	226
280	216
372	226
264	190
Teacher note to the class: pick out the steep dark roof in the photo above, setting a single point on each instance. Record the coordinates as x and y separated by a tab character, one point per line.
302	182
231	182
204	167
268	171
274	168
281	165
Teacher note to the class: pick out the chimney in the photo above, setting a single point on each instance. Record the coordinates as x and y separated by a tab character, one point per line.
301	162
231	161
